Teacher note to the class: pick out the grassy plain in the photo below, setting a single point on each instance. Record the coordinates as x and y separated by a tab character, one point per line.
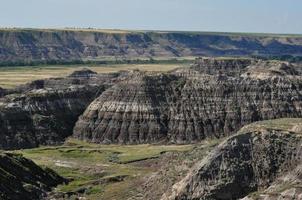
13	76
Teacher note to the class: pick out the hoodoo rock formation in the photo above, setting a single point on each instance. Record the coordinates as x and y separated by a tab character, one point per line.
212	98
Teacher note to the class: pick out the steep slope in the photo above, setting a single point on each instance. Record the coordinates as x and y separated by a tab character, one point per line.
2	92
22	179
132	111
260	155
45	111
213	98
21	45
41	116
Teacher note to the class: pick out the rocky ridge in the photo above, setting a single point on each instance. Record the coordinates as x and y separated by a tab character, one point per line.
22	179
44	112
261	157
36	45
212	98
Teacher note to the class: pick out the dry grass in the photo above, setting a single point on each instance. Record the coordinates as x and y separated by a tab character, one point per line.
284	124
13	76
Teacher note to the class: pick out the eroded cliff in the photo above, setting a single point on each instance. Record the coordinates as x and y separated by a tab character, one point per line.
212	98
264	156
45	111
34	45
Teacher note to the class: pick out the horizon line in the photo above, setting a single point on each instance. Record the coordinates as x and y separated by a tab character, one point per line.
116	30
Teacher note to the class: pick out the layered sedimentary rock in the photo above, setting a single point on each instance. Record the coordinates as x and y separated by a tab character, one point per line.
21	45
83	73
22	179
223	66
213	98
42	116
266	158
132	111
45	111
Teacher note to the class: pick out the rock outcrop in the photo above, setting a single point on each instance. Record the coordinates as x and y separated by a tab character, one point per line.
269	69
22	179
42	116
84	73
132	111
45	111
222	66
213	98
2	92
30	45
257	158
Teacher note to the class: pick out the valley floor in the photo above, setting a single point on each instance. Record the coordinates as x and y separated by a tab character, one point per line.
117	171
150	172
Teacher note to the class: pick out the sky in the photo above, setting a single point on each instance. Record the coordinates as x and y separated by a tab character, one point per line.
262	16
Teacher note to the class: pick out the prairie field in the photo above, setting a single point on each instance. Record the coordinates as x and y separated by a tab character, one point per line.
13	76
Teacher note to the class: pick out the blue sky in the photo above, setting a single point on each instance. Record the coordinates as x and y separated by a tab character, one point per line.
272	16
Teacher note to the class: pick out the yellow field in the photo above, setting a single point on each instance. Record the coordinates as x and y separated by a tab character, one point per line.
12	76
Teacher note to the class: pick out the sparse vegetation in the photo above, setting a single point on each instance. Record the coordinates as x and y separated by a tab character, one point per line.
286	124
13	76
99	171
289	58
108	60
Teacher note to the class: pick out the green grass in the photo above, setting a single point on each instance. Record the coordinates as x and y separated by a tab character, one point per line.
118	171
99	168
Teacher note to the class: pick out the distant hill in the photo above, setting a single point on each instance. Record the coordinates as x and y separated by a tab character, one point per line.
68	45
